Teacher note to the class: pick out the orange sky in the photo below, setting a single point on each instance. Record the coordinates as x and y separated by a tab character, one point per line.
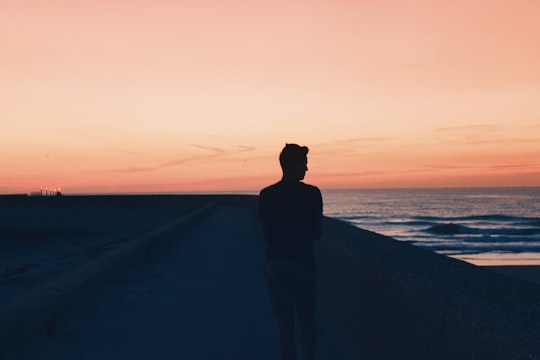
151	96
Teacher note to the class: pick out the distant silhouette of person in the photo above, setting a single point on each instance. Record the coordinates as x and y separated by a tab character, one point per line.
291	217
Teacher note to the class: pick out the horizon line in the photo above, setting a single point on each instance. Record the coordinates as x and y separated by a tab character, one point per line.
251	191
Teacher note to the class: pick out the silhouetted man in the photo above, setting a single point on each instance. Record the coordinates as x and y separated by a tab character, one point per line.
291	215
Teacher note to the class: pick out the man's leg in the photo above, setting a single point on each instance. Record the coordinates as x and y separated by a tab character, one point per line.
279	284
308	338
305	300
286	336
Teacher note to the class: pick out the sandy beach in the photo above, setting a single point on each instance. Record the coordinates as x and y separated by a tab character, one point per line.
41	238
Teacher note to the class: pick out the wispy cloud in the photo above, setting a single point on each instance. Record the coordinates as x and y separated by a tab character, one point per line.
472	134
358	141
358	146
132	170
244	148
131	152
482	134
429	167
515	166
212	149
186	159
488	167
214	153
361	140
348	174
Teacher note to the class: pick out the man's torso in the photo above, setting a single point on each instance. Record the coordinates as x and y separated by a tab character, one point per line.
291	215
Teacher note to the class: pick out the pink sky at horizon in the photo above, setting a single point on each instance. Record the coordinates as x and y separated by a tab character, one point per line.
174	96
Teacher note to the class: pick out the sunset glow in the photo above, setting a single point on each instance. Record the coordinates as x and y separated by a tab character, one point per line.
178	96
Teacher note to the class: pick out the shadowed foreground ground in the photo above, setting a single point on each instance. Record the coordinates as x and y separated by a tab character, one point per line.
42	238
205	300
204	296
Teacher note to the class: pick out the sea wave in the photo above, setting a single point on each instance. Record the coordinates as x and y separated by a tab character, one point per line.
354	217
409	223
457	229
531	222
491	217
479	247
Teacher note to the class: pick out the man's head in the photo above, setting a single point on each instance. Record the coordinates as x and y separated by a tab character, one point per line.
293	160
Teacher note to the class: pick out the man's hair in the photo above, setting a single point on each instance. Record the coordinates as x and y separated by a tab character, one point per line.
292	155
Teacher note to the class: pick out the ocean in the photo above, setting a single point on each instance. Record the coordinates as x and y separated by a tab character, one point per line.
483	226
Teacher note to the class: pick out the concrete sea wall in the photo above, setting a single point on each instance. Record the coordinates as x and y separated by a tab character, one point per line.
384	299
